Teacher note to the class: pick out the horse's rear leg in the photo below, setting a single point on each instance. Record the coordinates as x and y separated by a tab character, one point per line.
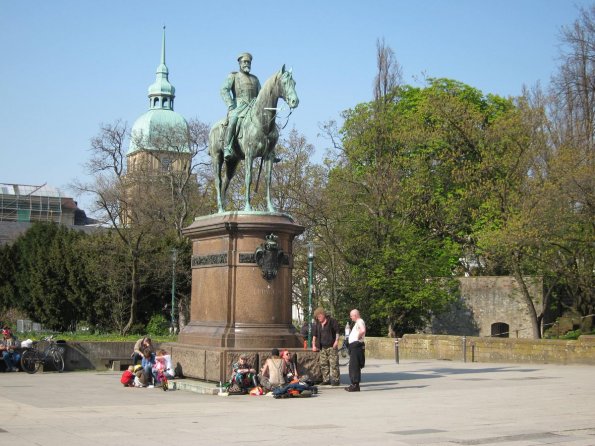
268	166
248	167
230	171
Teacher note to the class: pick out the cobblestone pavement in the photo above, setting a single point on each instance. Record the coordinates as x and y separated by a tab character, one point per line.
411	403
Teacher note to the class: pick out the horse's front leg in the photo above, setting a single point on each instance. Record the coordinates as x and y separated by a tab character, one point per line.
268	166
248	167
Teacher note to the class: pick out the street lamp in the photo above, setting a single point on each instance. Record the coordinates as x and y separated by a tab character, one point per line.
310	266
174	258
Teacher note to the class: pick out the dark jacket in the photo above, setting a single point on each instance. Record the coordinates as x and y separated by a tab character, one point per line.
327	334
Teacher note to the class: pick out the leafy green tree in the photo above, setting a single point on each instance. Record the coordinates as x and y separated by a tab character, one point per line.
8	297
409	176
537	215
50	281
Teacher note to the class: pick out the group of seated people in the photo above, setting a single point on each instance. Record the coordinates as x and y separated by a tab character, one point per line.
277	372
154	370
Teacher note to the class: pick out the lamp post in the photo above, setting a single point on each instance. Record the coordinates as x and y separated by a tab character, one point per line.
174	258
310	266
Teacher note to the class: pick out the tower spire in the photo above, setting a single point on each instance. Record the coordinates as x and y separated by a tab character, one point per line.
161	92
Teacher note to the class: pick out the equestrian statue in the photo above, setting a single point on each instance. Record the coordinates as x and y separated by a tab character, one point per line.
249	131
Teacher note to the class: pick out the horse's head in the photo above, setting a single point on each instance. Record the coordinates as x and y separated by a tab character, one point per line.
287	84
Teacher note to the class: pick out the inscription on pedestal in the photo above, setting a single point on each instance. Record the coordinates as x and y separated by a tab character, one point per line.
210	259
246	257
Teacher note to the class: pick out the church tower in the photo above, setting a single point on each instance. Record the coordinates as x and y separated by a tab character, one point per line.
159	137
159	156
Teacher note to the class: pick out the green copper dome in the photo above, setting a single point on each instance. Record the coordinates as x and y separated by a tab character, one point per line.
161	115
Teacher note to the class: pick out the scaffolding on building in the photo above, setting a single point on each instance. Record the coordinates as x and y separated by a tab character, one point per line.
27	203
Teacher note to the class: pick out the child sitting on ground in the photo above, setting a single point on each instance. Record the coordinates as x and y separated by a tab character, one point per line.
127	378
140	379
168	371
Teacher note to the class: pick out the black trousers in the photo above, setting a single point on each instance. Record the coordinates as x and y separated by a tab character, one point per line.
357	360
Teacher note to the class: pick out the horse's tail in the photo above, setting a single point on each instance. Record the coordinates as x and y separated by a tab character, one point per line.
216	136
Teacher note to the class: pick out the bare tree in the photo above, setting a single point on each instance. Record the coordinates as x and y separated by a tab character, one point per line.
156	195
571	166
574	84
389	74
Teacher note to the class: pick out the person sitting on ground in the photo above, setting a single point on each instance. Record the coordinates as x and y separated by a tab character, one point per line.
9	355
140	380
169	369
147	364
158	370
291	373
127	378
243	374
273	371
139	348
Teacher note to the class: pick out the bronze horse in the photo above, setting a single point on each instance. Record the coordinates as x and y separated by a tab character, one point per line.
257	137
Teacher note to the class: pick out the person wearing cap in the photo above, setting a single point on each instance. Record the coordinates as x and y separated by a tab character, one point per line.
7	345
238	91
243	374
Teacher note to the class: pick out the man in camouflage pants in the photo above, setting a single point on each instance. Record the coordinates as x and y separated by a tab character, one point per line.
325	338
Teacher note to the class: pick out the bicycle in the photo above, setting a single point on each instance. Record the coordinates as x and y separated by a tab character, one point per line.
344	353
33	358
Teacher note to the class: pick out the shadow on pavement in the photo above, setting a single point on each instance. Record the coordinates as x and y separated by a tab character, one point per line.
432	373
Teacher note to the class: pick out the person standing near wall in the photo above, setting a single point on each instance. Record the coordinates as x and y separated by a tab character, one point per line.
325	338
357	352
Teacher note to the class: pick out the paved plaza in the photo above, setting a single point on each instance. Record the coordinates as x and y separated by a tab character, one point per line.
411	403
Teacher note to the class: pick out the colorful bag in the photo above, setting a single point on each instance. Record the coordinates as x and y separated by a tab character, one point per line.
256	391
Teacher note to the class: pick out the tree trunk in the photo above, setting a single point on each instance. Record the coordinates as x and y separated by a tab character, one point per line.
133	293
525	293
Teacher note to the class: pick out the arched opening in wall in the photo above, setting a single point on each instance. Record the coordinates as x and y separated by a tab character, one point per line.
500	330
155	102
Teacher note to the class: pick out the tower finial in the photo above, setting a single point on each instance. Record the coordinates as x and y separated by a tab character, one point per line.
163	47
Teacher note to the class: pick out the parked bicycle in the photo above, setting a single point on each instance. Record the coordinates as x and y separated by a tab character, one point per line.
344	350
344	353
33	358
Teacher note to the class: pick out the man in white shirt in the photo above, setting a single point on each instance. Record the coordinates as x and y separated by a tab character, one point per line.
357	351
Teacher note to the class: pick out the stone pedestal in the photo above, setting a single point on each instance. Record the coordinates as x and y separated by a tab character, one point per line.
233	306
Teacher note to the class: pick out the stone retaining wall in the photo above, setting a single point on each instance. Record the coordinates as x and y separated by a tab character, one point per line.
419	346
92	355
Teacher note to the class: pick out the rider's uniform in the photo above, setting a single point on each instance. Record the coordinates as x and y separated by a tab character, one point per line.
238	90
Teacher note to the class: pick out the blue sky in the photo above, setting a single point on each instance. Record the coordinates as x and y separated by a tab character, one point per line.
68	66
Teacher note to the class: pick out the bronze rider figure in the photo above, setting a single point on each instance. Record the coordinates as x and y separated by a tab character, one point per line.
238	91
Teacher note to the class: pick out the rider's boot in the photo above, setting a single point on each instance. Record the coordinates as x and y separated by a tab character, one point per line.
228	148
